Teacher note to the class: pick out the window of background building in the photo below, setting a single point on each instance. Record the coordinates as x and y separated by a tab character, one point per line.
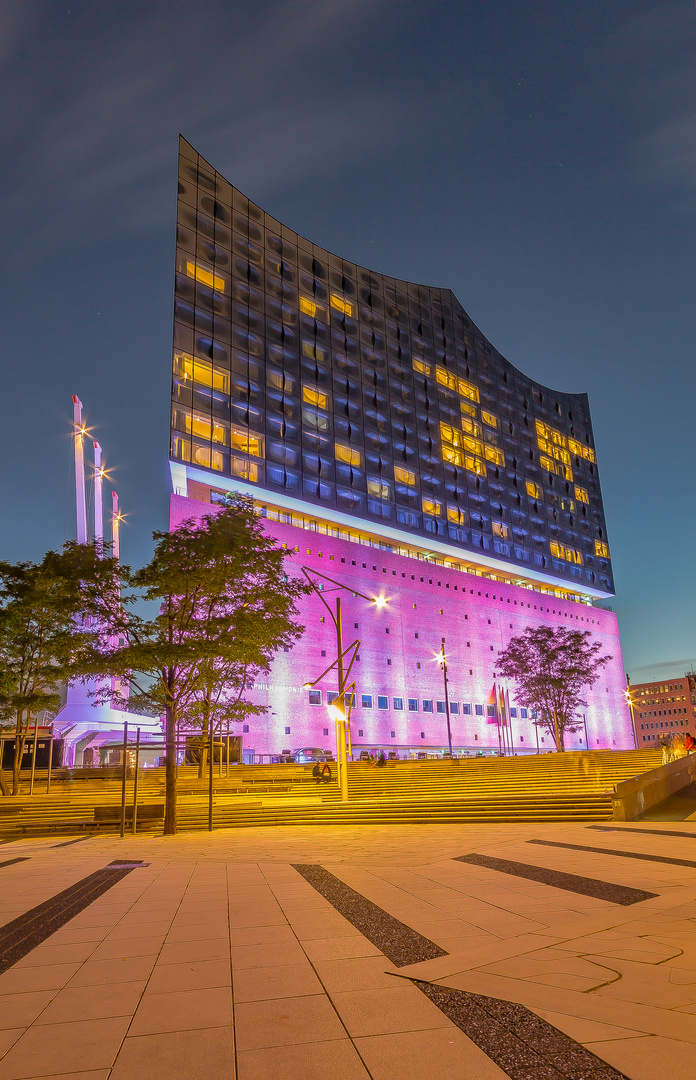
398	703
315	697
382	702
413	704
366	701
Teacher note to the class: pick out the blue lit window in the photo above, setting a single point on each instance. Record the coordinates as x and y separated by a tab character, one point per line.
398	703
315	697
382	702
427	706
413	704
479	710
366	701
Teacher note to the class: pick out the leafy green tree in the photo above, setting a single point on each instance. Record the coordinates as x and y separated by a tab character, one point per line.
224	604
552	668
47	624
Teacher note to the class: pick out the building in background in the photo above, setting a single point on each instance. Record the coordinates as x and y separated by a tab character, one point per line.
389	445
664	706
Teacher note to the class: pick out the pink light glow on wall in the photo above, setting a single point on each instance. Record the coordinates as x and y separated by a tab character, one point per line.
399	642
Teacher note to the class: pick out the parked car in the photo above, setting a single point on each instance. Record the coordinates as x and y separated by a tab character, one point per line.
307	755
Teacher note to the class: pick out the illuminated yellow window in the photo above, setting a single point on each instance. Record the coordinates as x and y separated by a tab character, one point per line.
581	494
580	450
347	454
451	435
557	549
341	305
449	453
201	372
421	367
555	451
470	426
475	465
601	549
199	425
500	529
445	378
221	432
206	277
552	467
308	306
315	397
404	475
475	445
551	434
492	453
567	553
201	456
467	408
432	506
467	390
489	418
454	514
247	470
533	490
378	488
246	442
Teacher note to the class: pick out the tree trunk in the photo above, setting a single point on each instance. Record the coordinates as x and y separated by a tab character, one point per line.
558	733
170	771
20	742
203	753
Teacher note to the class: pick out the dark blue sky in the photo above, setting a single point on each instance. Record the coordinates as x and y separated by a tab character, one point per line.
537	158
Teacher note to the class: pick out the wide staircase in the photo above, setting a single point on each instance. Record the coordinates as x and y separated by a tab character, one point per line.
551	787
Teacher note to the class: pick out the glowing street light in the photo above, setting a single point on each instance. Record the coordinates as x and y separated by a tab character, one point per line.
442	661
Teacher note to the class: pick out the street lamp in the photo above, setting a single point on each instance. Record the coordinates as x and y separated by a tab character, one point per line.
337	710
629	699
442	661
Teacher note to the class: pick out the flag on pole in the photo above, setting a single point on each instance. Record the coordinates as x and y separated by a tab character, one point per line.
492	704
501	706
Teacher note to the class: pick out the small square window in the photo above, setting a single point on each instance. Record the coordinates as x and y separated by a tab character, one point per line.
490	710
513	713
454	707
398	703
523	714
245	728
315	697
287	731
466	709
331	696
392	734
360	732
479	710
326	731
366	701
427	706
441	707
413	704
382	702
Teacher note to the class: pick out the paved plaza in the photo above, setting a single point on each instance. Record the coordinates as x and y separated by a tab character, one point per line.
427	951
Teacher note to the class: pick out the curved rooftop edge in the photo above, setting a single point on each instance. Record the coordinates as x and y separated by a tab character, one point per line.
355	394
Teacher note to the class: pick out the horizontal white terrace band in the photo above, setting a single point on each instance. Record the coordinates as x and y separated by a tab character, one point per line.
181	473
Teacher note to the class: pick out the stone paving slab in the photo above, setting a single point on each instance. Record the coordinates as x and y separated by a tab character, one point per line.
218	959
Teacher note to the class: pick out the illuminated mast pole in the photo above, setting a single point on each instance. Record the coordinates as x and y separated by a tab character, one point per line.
115	527
79	433
98	498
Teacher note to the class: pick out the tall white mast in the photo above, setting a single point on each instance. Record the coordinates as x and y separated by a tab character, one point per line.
115	527
98	494
79	436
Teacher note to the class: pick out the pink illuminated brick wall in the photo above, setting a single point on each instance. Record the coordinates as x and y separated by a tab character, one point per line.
477	617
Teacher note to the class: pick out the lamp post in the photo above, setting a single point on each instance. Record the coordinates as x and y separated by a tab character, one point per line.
338	709
442	661
629	699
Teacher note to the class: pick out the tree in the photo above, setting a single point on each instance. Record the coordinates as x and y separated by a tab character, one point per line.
224	606
552	668
46	622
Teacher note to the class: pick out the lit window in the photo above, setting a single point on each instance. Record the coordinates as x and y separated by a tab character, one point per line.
315	697
580	450
533	490
315	397
341	305
206	277
567	553
445	378
470	426
550	434
601	549
404	475
246	443
467	408
201	372
450	434
455	515
378	488
499	529
556	452
308	306
366	701
581	494
432	506
552	467
347	454
245	469
382	702
489	418
313	351
474	465
475	445
454	456
421	367
492	453
467	390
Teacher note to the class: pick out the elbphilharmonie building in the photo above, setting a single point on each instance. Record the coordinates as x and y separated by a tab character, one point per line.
389	444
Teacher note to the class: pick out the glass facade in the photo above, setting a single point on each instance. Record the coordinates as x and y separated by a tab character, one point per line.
314	380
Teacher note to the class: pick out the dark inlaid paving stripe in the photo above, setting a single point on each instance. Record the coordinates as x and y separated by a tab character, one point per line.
637	832
516	1039
11	862
601	890
19	937
520	1043
615	851
398	942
